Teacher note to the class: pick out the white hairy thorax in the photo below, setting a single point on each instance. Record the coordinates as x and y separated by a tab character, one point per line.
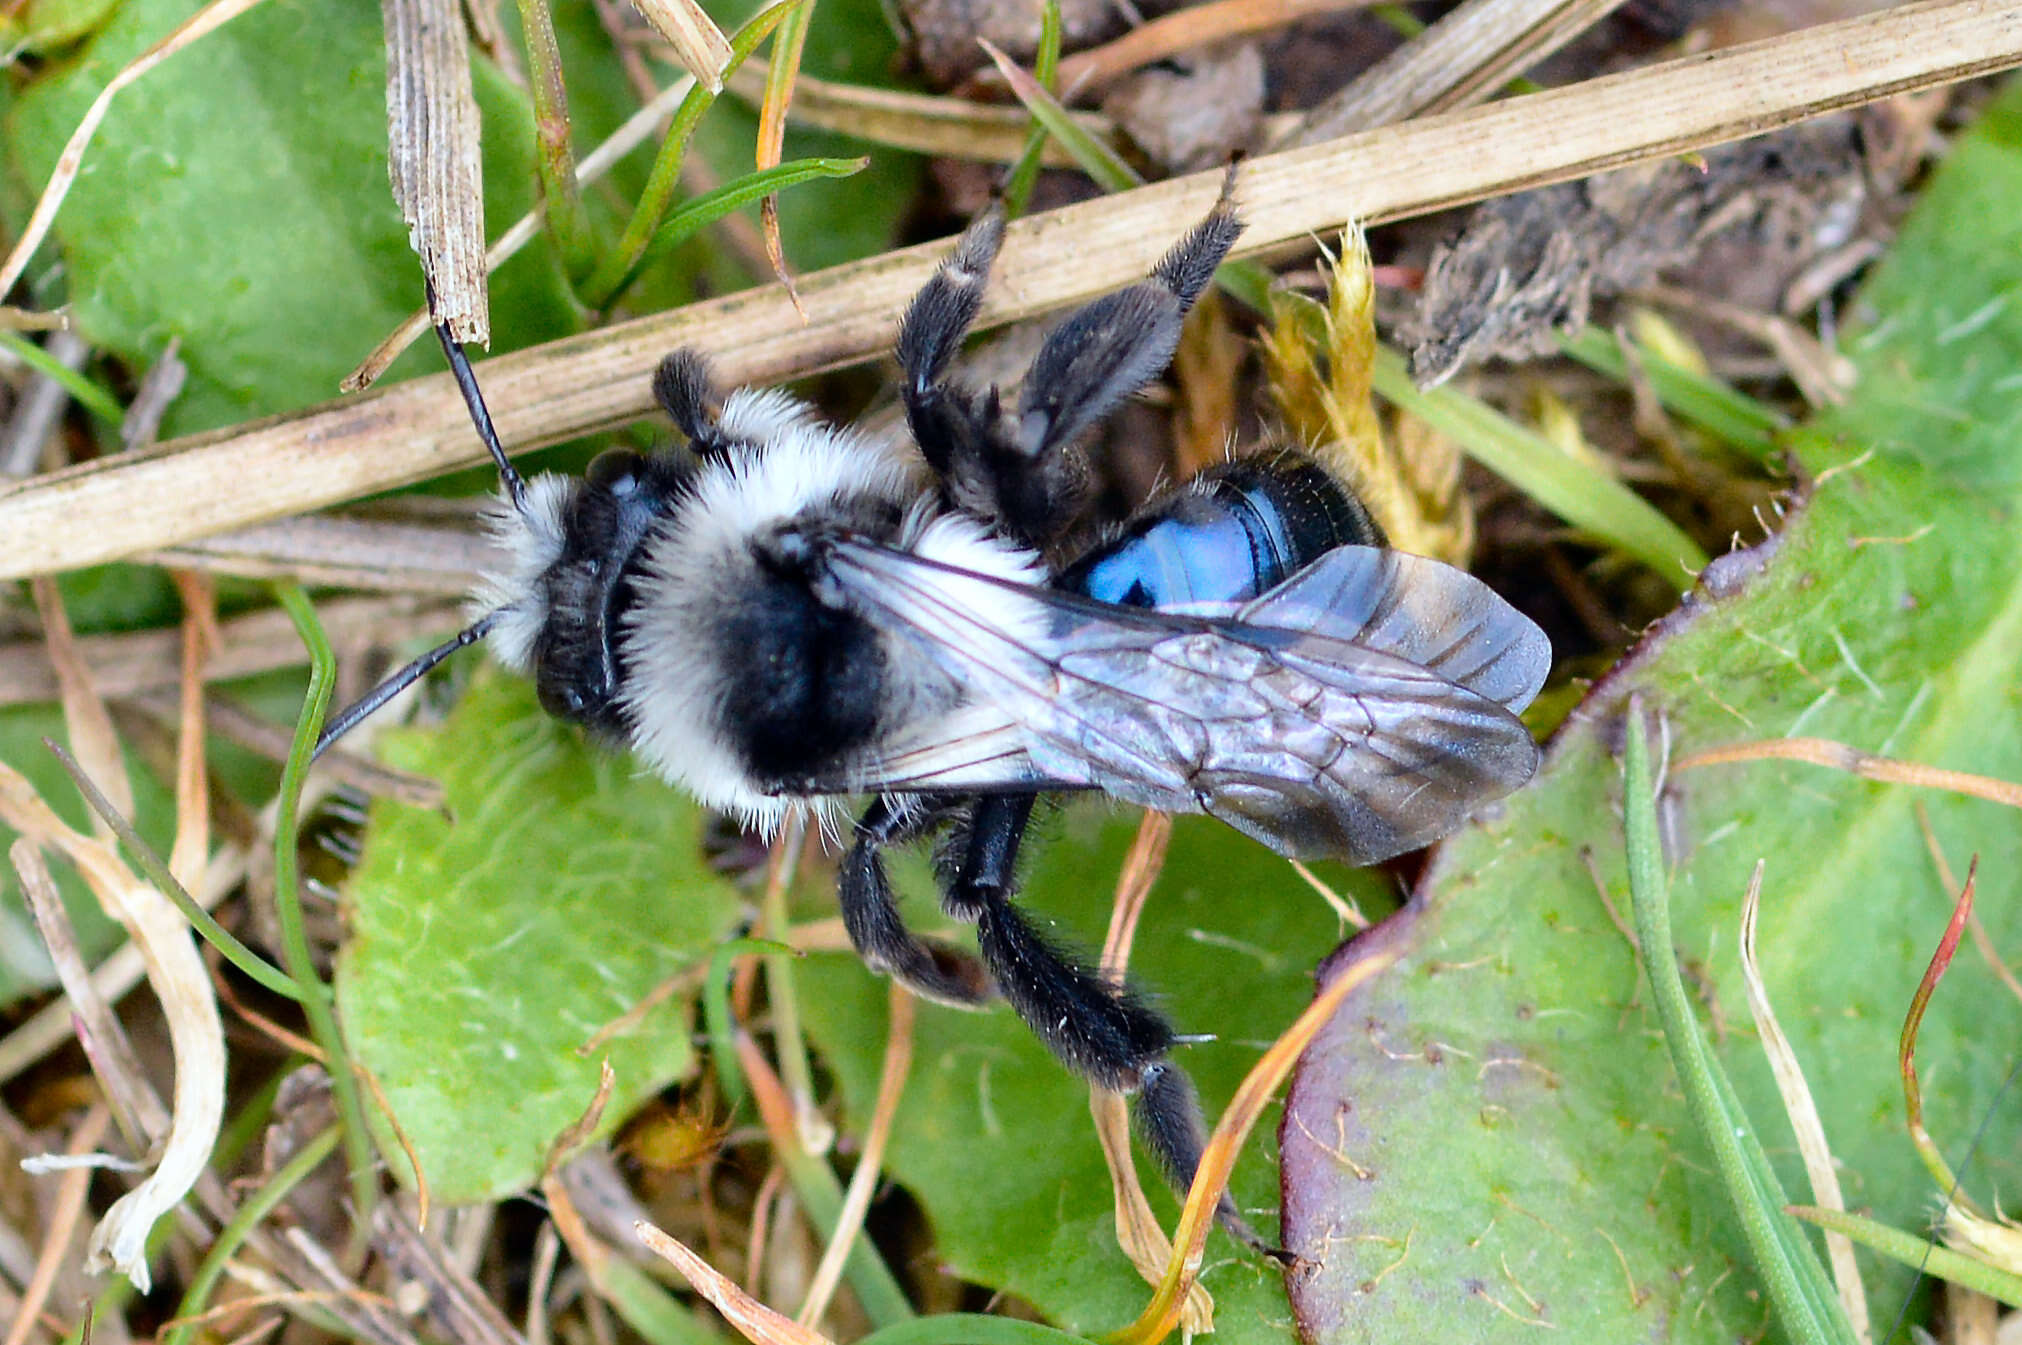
700	553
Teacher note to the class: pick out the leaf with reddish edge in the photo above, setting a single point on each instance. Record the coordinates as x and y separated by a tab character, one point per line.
1489	1140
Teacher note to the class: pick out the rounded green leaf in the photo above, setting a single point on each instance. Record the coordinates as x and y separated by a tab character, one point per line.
237	197
489	942
1490	1140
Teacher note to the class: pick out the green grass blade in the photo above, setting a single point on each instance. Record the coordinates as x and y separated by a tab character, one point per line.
1046	72
1731	416
646	1307
716	1013
821	1195
1799	1293
1575	492
555	162
317	1004
233	1234
1098	160
697	213
1919	1253
88	394
608	281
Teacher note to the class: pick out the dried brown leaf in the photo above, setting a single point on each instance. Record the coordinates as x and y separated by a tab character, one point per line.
698	43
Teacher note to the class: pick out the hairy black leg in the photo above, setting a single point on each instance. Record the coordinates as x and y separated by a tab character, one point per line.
1169	1122
1008	464
872	917
1122	341
1097	1028
686	389
984	855
943	418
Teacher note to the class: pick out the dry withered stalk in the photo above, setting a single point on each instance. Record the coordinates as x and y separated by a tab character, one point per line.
1839	756
864	1181
1137	1228
165	495
1802	1110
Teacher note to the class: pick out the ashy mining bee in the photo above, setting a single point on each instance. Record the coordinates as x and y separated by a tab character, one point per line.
786	610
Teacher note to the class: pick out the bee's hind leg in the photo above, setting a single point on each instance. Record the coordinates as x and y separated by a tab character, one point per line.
1100	1030
872	917
685	387
1114	346
1008	464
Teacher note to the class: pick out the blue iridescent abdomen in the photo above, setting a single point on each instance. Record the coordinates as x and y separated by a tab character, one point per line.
1231	533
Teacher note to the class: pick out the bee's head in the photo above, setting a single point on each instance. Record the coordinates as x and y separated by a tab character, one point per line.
572	545
555	606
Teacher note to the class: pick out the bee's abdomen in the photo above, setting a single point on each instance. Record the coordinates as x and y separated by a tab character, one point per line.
1235	531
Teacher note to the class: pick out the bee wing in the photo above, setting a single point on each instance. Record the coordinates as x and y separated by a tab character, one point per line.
978	749
1443	619
1266	715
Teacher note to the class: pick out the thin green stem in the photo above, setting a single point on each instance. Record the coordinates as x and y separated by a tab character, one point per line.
555	159
608	280
721	1026
88	394
317	1003
151	864
1401	20
1801	1295
1918	1253
1045	70
233	1234
646	1306
821	1195
789	1043
1096	159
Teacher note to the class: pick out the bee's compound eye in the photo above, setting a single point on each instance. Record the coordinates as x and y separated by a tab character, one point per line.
617	470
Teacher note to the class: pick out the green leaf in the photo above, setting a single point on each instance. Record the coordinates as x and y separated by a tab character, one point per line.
993	1134
1545	1168
237	197
488	945
45	25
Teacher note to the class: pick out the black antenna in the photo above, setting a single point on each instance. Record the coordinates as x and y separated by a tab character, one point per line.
480	414
405	678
